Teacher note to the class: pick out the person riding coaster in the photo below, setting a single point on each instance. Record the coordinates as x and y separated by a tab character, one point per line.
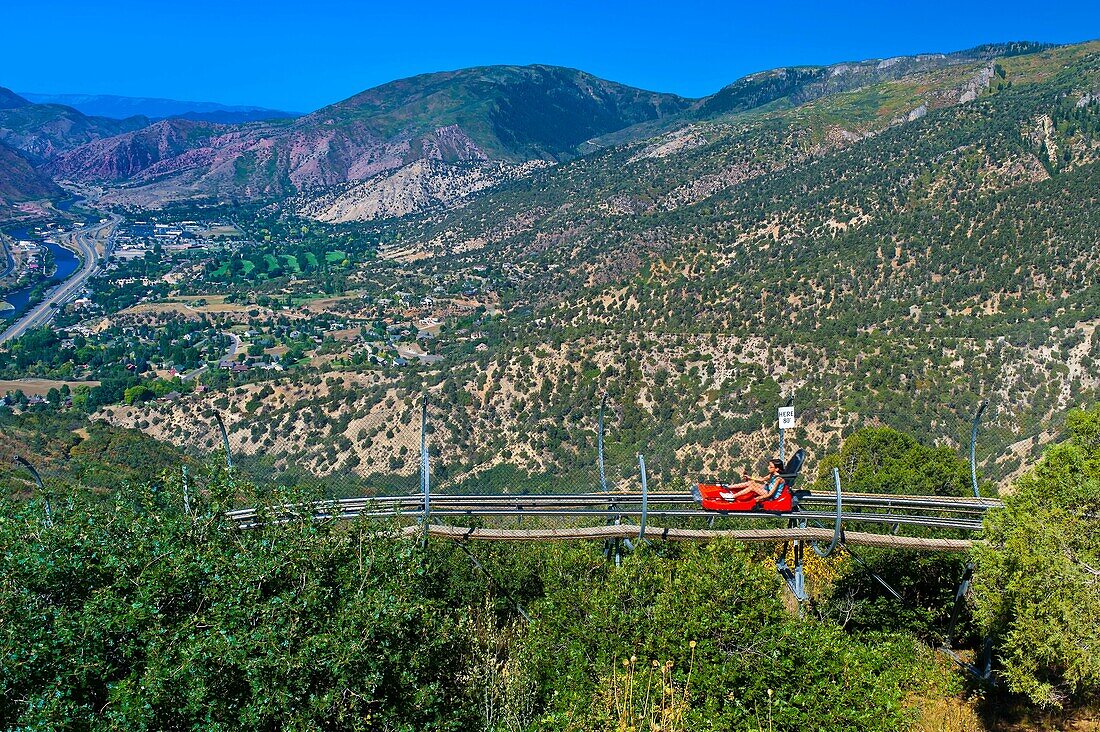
771	493
765	487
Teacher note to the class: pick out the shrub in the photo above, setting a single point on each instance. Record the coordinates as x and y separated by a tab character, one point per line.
1037	584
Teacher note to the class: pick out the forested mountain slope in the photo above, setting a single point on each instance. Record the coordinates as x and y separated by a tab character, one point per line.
894	253
457	119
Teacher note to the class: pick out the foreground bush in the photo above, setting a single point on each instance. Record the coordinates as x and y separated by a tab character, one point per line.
1038	579
738	658
132	614
135	616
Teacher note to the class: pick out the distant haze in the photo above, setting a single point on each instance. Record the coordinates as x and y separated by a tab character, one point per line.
120	107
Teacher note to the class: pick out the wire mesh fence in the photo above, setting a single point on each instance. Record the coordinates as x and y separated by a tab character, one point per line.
388	439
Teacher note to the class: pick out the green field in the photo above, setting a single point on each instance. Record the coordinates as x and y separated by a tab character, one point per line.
273	265
336	256
303	299
291	263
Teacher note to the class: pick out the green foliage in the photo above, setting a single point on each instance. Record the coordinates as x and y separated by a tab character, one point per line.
883	460
1038	580
926	580
131	613
109	453
138	394
138	616
69	450
746	644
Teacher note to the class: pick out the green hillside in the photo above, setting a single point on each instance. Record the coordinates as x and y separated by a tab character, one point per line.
837	233
881	266
515	112
893	254
11	100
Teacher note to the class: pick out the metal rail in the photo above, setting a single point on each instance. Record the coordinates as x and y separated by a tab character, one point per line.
946	503
939	512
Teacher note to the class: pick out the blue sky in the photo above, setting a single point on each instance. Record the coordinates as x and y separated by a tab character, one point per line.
304	54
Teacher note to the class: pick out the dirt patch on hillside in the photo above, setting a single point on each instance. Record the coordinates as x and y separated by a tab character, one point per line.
39	386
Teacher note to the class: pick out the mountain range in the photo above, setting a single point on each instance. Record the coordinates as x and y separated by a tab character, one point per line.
121	107
411	144
894	239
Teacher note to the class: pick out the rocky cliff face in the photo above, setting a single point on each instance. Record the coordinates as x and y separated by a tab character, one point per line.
507	114
798	85
414	187
258	160
19	181
124	156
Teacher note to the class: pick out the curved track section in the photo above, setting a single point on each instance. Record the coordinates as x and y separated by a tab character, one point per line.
934	512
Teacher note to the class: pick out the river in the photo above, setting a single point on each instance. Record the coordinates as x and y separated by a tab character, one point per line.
66	263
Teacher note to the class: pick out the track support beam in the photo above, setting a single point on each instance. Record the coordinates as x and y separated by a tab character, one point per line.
838	527
425	475
973	446
225	441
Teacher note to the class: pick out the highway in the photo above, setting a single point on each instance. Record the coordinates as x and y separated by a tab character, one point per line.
84	242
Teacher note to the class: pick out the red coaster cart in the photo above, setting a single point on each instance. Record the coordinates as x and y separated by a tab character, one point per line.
782	500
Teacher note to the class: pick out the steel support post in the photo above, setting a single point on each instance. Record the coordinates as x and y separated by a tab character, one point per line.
599	446
225	441
611	546
838	529
645	495
799	576
973	444
794	578
782	434
425	479
41	488
960	596
186	496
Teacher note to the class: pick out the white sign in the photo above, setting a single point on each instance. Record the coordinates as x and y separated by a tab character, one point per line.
786	418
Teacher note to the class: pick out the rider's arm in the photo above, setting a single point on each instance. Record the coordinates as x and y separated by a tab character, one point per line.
766	496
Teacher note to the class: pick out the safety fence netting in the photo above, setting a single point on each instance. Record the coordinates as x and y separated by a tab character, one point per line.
331	441
930	447
317	438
